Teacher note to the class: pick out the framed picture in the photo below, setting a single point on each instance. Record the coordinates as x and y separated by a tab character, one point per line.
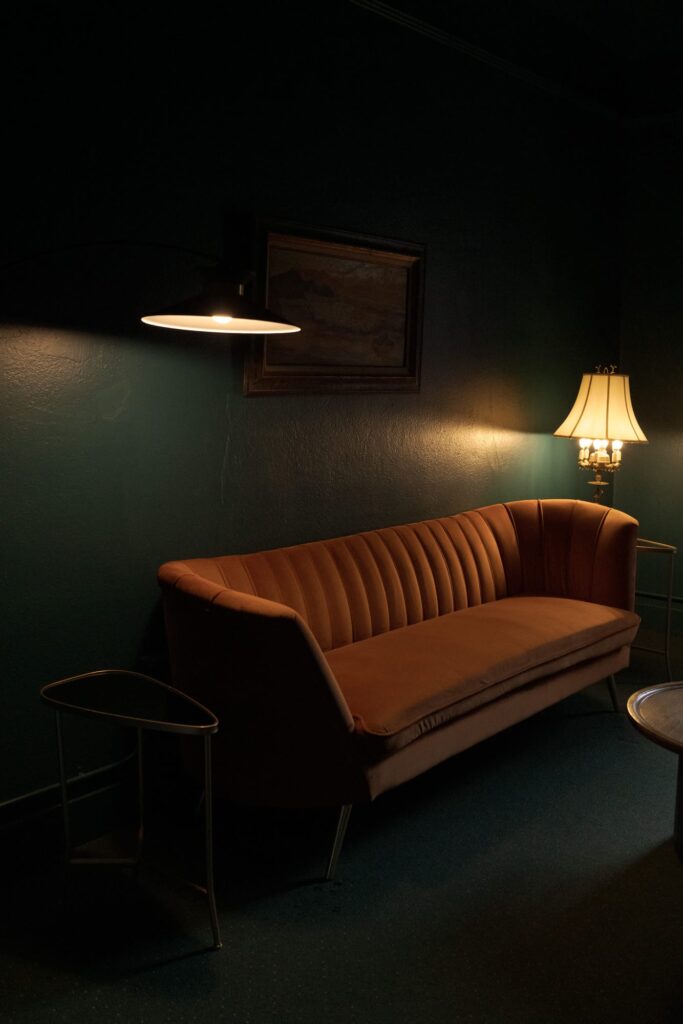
358	302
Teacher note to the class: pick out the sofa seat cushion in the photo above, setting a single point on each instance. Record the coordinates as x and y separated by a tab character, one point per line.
409	681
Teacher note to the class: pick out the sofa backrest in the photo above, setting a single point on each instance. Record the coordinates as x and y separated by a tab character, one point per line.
350	588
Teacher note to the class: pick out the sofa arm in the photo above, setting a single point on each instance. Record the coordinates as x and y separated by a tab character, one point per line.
614	563
570	548
286	734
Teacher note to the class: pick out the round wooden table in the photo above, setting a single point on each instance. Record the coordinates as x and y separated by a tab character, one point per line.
657	712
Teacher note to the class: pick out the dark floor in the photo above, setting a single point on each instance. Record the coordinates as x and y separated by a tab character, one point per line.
532	879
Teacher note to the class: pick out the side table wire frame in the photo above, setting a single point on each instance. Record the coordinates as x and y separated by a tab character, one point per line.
644	546
209	889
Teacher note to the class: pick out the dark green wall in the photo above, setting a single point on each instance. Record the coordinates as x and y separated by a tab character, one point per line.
651	483
125	446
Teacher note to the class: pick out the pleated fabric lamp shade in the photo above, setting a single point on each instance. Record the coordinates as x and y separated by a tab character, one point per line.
603	410
602	417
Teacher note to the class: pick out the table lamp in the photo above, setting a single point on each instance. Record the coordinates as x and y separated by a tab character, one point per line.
602	416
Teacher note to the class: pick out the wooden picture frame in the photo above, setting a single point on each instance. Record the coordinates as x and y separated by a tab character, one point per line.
358	300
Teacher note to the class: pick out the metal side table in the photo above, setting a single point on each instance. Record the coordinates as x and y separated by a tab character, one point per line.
656	547
135	700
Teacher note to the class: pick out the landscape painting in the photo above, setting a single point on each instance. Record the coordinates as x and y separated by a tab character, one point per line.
357	301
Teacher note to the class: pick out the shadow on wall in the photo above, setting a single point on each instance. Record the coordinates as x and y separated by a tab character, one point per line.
152	655
98	286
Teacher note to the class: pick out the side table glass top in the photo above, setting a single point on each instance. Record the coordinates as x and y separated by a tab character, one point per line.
131	698
657	711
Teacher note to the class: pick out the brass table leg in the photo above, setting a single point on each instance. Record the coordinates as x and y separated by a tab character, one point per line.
678	819
208	840
669	602
141	798
64	790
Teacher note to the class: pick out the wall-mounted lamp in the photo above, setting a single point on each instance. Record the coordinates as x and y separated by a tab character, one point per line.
221	308
602	415
226	303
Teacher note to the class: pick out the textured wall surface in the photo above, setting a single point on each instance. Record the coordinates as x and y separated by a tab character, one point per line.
125	446
651	484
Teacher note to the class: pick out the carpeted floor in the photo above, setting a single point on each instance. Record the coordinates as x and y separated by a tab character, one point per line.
532	879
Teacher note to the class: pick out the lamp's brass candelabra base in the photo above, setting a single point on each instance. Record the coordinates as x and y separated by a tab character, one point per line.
599	484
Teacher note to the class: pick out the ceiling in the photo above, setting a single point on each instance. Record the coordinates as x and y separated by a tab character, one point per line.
633	31
624	56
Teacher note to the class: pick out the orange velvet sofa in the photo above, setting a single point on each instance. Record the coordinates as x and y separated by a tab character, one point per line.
341	668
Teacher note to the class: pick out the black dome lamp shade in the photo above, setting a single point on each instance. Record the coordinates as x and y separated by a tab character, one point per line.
228	302
221	308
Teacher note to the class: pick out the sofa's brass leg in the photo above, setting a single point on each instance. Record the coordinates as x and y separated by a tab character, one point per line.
342	824
612	683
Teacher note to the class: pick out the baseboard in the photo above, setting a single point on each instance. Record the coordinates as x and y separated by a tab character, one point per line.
31	826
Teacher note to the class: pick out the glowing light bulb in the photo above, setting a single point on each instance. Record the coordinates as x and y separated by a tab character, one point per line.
616	445
585	442
219	319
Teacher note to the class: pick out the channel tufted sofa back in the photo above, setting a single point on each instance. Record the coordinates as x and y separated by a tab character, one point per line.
351	588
